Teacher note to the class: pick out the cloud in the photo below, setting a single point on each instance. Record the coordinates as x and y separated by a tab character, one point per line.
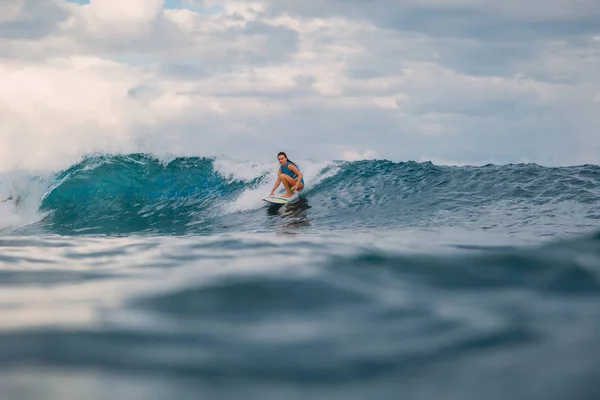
454	17
30	19
10	10
129	19
449	80
353	155
54	110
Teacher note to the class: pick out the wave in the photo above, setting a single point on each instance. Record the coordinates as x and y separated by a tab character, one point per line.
319	317
136	193
123	194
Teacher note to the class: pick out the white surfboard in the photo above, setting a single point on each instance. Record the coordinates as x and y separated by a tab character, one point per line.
276	200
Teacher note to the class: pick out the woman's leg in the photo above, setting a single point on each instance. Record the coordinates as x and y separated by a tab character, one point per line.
288	182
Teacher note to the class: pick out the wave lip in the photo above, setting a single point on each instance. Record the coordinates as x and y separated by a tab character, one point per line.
135	193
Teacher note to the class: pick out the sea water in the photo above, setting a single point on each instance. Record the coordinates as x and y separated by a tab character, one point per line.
133	277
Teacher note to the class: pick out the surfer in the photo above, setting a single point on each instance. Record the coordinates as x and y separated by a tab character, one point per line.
289	174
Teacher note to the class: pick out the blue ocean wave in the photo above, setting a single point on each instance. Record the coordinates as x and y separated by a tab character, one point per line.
139	193
123	194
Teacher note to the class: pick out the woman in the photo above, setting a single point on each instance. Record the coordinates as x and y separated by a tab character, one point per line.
289	175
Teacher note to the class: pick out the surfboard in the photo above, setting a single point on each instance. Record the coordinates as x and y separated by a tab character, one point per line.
276	200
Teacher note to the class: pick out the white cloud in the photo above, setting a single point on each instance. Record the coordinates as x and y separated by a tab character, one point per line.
10	10
126	19
353	155
57	109
250	78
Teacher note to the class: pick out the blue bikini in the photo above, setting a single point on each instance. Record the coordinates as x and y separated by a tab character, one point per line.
286	170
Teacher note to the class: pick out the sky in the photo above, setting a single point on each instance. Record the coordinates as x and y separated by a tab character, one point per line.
448	81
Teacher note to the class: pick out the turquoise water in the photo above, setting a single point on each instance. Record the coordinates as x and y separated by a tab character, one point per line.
136	277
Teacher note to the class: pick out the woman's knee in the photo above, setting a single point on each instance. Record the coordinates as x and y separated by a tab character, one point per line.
284	177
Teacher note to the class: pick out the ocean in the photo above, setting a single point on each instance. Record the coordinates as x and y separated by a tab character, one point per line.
139	277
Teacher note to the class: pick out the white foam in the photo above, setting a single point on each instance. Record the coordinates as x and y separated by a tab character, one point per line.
251	199
29	191
245	171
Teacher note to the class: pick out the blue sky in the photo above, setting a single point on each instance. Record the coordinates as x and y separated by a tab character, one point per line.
451	81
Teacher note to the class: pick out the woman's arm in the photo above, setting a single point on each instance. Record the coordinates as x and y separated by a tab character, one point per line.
276	183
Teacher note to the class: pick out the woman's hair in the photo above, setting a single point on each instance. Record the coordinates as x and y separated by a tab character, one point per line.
281	153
